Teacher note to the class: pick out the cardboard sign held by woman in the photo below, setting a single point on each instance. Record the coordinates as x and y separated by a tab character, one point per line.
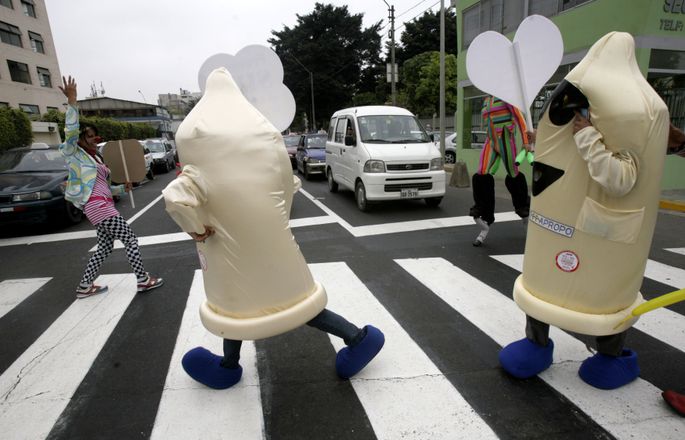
126	161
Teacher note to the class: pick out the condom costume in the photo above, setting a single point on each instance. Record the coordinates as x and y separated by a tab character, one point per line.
593	212
506	133
237	179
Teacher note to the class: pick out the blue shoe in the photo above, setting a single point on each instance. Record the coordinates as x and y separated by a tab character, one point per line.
351	360
610	372
524	358
205	367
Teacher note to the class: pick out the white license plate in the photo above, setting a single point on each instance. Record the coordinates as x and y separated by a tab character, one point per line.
6	209
409	192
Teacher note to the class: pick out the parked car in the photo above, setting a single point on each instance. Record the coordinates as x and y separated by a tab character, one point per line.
450	145
383	153
149	173
163	154
311	154
291	141
478	139
32	183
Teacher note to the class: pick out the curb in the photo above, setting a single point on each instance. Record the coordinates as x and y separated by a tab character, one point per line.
672	205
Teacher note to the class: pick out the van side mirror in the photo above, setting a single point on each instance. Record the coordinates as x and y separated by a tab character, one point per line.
147	151
349	140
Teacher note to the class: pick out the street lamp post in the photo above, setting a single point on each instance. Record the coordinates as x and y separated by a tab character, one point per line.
311	85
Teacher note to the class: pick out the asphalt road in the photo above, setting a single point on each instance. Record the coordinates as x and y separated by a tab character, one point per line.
108	367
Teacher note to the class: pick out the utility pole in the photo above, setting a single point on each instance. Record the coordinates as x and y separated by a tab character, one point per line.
442	78
391	17
311	87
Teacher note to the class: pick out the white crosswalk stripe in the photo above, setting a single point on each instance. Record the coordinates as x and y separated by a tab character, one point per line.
13	292
191	410
633	411
403	393
37	387
662	324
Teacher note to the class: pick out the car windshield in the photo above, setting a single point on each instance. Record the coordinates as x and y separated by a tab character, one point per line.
317	142
28	161
155	147
291	141
391	129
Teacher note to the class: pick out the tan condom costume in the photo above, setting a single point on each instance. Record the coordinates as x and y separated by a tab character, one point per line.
590	231
237	178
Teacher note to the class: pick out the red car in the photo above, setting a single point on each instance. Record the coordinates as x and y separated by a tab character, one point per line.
291	141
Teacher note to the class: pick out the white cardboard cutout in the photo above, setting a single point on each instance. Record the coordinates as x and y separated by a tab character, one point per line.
516	71
258	72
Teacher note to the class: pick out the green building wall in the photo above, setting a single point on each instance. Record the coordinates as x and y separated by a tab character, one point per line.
655	24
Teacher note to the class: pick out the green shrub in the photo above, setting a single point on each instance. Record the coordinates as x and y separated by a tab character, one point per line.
15	129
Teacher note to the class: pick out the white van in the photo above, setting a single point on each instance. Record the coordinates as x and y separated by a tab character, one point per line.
383	153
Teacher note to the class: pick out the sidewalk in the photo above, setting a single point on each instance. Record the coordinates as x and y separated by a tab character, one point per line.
671	199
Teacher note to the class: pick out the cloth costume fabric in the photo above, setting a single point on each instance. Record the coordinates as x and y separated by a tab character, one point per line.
238	179
506	134
595	197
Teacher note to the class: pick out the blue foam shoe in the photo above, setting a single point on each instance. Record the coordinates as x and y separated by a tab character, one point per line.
610	372
351	360
524	358
205	367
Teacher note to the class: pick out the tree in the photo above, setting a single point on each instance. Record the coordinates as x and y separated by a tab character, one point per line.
342	57
421	79
15	129
423	35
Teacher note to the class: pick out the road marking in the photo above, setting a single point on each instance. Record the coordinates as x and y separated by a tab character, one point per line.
37	387
661	324
48	238
144	210
633	411
403	393
680	251
191	410
13	292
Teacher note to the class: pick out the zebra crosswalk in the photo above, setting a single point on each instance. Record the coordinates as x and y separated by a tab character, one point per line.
413	390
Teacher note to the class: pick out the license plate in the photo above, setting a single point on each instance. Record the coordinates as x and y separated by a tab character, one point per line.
6	209
409	192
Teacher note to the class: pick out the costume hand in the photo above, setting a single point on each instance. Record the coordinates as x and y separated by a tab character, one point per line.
676	138
209	231
69	89
580	122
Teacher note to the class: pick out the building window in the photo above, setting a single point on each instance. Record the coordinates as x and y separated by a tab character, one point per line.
44	77
512	15
547	8
471	24
7	3
568	4
30	109
4	105
19	72
36	42
10	34
29	9
491	15
53	108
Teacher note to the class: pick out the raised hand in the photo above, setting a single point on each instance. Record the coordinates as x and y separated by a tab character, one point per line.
69	89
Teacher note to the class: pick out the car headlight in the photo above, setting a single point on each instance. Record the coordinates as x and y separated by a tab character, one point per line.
312	160
374	166
437	164
40	195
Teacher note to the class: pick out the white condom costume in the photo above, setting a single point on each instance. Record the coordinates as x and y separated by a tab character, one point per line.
590	231
237	178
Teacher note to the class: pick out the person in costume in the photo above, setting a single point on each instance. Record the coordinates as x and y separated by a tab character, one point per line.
234	197
596	186
506	134
89	188
676	145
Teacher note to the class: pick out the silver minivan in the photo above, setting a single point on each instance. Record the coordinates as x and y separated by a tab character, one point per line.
383	153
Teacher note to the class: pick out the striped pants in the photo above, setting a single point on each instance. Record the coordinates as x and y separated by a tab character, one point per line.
108	230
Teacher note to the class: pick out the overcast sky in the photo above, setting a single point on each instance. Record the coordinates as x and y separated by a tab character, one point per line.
141	48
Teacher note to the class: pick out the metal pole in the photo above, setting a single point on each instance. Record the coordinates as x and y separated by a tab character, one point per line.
442	78
311	83
392	55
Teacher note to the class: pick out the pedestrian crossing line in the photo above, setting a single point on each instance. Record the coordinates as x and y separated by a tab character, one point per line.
189	409
632	411
13	292
680	251
38	386
47	238
662	324
403	393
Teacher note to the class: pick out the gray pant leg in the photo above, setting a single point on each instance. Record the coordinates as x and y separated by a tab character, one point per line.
537	331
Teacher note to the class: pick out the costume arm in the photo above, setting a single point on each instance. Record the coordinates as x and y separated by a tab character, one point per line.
615	171
184	196
71	126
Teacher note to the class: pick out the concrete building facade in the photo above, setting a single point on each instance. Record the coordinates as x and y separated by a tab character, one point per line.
658	27
29	71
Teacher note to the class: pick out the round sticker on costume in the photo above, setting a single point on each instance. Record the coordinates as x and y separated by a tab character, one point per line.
203	260
567	261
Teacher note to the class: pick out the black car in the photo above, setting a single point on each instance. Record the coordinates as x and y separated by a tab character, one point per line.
32	183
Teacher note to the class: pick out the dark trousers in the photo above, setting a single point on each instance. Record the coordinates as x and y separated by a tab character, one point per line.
610	345
326	321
